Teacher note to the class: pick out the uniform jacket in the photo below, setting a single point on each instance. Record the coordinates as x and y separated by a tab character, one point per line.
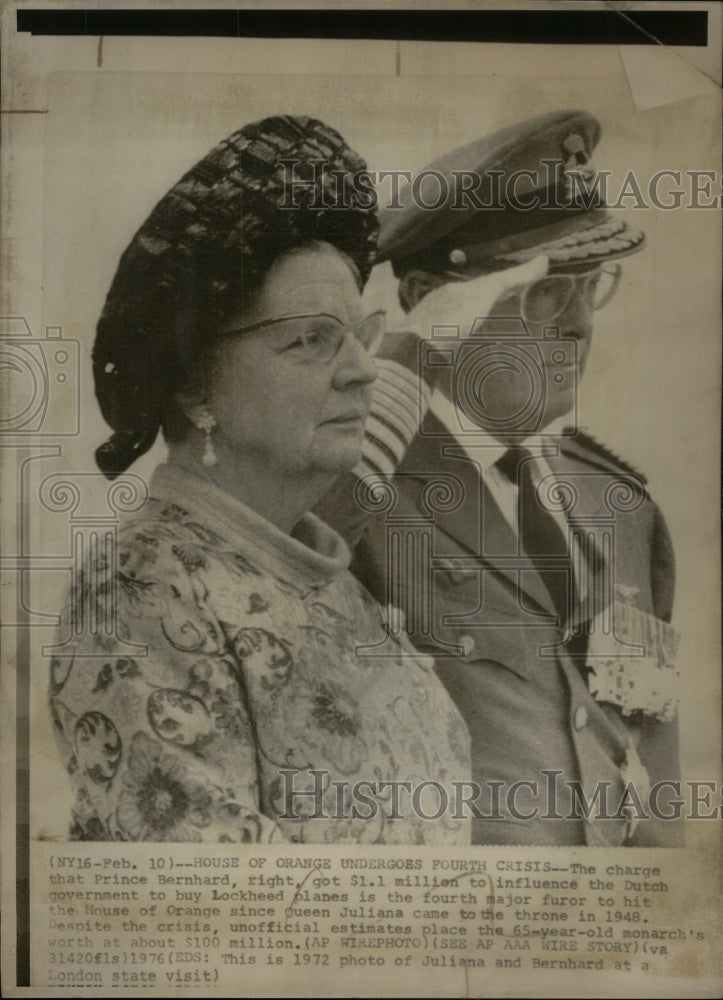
439	548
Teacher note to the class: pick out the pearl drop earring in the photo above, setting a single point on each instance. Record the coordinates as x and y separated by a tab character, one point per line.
205	421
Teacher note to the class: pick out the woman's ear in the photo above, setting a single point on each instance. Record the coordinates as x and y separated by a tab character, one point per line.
191	397
182	412
415	284
191	402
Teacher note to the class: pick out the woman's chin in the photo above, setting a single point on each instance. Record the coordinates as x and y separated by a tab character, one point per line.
340	455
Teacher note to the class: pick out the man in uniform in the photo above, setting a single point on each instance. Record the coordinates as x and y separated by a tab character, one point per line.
526	558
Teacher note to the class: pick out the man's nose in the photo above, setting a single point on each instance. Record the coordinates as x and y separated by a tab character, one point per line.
354	364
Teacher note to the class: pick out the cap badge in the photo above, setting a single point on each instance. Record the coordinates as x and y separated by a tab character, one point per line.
578	173
574	146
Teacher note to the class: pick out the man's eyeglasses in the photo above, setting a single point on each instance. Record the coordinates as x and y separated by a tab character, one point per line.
317	338
548	298
544	300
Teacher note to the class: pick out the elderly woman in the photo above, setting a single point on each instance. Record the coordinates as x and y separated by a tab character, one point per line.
228	692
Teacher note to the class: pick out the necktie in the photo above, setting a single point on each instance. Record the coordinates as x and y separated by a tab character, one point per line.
539	532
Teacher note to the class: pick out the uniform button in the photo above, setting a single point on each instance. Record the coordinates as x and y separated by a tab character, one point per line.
580	718
467	644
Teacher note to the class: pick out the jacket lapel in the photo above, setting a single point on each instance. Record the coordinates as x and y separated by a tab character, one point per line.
477	525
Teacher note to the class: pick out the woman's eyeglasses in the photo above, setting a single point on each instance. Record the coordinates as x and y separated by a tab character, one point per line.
318	337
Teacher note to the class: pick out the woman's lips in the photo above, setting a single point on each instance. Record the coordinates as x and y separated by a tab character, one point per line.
352	418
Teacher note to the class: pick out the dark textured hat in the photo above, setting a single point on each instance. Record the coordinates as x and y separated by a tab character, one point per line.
268	188
505	198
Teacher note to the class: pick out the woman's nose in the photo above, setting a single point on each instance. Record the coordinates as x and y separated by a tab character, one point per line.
354	364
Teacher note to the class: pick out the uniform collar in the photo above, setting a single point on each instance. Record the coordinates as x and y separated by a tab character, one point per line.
482	447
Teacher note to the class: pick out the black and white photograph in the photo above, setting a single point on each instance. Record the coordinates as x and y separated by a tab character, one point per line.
360	439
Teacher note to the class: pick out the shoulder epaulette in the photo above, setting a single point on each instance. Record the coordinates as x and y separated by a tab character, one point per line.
589	444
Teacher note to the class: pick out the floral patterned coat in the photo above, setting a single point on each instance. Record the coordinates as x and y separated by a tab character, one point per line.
213	672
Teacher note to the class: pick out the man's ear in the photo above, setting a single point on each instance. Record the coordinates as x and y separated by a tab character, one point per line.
415	284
